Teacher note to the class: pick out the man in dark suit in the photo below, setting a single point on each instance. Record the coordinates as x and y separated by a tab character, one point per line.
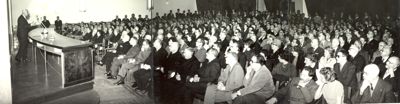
188	68
317	51
125	19
58	24
392	75
345	73
229	80
117	19
122	48
258	84
46	22
372	44
357	59
159	56
22	34
300	90
208	73
133	64
373	89
118	61
382	60
171	65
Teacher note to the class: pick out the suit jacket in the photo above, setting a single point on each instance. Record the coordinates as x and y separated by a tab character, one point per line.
150	59
232	78
260	84
97	39
347	76
382	93
46	23
294	94
173	62
200	54
142	56
209	72
123	48
23	27
86	37
133	52
58	24
159	57
381	64
371	46
359	62
319	52
189	67
394	81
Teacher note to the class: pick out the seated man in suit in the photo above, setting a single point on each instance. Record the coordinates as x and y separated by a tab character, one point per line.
150	69
301	90
392	75
373	89
208	73
345	73
315	49
124	58
189	67
356	58
171	65
258	84
229	80
381	60
133	64
122	48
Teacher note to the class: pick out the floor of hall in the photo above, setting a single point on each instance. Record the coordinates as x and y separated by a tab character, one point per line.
30	83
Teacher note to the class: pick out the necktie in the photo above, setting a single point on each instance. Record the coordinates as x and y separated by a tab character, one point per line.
371	88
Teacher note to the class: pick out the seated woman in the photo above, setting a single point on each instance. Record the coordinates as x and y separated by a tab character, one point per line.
330	90
284	70
328	60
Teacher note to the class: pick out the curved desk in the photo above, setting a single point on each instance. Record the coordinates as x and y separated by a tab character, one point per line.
74	58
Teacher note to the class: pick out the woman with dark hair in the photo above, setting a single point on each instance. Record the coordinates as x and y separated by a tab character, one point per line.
330	91
284	70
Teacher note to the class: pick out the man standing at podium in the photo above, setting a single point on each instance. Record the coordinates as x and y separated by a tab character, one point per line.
22	34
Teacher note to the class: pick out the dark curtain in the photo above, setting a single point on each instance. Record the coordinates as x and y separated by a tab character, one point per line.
372	7
277	5
222	5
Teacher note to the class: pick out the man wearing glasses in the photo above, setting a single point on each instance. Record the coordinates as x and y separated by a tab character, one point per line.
391	75
257	84
357	59
345	73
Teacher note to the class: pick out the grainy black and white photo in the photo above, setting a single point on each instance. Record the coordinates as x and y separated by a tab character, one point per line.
200	51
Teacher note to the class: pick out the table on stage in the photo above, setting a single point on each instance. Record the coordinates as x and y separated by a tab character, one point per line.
67	63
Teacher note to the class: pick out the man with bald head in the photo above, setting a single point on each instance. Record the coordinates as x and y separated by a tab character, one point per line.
22	34
373	89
